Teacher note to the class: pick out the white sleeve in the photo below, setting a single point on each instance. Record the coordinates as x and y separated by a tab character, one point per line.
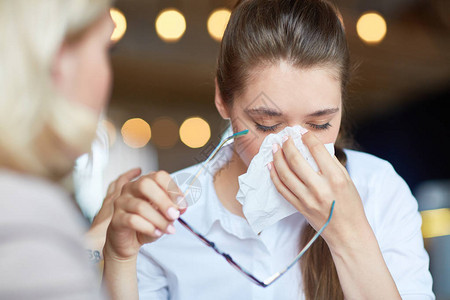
398	230
152	281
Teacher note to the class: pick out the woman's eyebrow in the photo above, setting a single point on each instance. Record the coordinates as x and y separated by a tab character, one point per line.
324	112
263	111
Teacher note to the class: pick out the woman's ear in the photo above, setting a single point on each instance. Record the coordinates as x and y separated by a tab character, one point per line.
63	70
221	106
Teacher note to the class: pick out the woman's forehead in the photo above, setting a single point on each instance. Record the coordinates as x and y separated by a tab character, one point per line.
281	89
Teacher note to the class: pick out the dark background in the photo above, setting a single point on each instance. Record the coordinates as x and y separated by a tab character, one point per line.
398	98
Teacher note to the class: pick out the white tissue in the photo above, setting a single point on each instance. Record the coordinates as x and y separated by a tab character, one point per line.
262	205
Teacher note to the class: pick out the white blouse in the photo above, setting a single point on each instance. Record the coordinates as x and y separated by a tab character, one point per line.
180	266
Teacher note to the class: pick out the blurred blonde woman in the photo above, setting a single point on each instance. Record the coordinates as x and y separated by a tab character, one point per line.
54	82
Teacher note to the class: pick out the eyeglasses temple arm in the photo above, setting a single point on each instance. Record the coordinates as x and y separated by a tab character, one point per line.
212	155
271	279
223	254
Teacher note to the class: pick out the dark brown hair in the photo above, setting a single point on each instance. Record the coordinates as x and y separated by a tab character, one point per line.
306	34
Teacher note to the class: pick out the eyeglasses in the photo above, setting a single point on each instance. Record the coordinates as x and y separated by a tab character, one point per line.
228	258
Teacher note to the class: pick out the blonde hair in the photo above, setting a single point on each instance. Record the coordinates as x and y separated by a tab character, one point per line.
40	132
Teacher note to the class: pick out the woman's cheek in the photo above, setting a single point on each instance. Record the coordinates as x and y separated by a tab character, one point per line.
247	148
328	136
248	145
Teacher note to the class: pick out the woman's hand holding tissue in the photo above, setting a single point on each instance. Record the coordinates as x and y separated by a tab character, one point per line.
312	193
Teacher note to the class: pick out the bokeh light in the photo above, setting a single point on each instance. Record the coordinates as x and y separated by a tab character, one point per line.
121	24
170	25
217	23
111	131
136	133
195	132
371	28
164	132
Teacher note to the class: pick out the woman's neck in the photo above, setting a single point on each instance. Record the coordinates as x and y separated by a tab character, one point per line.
227	185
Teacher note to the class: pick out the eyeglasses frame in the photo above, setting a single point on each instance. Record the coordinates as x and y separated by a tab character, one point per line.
228	258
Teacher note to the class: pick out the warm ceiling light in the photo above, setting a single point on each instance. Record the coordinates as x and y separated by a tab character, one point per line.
136	133
165	132
120	23
217	23
371	27
195	132
170	25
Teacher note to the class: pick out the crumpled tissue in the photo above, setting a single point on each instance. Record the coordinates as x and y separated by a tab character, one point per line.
262	204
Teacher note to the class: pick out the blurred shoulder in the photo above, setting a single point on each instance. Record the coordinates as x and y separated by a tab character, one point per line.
33	201
19	184
42	232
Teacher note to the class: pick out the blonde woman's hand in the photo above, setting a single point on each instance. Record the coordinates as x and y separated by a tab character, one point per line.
143	212
97	233
113	192
312	193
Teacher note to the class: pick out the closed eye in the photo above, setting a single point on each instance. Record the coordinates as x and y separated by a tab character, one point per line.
266	128
320	127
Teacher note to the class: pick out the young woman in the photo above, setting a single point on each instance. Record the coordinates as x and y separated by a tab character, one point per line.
54	82
294	52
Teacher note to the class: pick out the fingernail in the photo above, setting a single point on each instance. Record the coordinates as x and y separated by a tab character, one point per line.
269	166
274	148
181	202
173	213
158	232
170	229
284	139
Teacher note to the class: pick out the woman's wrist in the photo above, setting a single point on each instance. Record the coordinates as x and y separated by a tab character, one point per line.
361	267
120	275
94	240
94	246
352	240
109	255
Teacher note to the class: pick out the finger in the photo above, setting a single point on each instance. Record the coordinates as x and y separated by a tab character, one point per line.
320	154
130	174
283	189
166	182
298	163
126	177
180	202
145	239
342	168
111	188
145	210
137	224
116	186
148	189
285	174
